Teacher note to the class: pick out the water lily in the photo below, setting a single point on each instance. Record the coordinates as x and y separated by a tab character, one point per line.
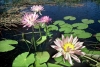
69	47
29	19
37	8
45	19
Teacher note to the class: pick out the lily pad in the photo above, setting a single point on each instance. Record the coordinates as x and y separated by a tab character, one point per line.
87	21
42	57
80	25
66	25
84	35
53	65
69	18
7	45
65	29
60	61
77	31
98	36
59	22
23	60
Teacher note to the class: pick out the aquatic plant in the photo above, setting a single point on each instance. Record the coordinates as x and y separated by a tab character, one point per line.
68	47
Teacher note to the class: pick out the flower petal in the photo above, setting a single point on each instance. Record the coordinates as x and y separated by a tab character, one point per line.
75	58
70	39
78	45
75	40
57	55
56	47
69	59
78	52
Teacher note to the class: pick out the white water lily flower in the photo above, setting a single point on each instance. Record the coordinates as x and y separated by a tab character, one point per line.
69	48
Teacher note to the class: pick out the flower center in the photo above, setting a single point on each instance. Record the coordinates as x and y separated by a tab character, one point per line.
68	46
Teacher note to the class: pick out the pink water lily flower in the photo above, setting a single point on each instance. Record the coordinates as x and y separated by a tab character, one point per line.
69	48
45	19
29	19
37	8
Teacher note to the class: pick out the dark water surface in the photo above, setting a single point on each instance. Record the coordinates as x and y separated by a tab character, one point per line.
84	9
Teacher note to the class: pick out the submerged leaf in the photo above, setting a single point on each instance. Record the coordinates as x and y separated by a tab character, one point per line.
23	60
6	45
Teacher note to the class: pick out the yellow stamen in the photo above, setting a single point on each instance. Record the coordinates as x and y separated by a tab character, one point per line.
68	45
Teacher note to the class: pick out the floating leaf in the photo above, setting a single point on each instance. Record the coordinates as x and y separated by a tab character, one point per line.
85	35
6	45
23	60
42	57
60	61
77	31
53	27
68	30
80	25
59	22
41	40
98	36
87	21
69	18
99	21
66	25
53	65
40	65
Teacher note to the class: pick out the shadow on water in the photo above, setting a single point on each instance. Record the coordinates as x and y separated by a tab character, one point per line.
84	9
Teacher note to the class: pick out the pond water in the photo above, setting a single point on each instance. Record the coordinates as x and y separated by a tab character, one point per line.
81	10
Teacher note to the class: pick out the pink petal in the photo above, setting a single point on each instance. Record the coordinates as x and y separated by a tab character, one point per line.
56	47
75	58
70	39
57	55
69	59
78	52
75	40
78	45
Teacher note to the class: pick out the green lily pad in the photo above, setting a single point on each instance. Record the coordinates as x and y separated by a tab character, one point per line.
98	36
69	18
66	25
53	65
42	57
53	27
87	21
40	65
59	22
68	30
80	25
41	40
23	60
99	21
77	31
65	29
60	61
84	35
7	45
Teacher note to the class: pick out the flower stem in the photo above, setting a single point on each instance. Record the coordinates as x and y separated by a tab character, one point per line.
33	39
90	59
40	31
